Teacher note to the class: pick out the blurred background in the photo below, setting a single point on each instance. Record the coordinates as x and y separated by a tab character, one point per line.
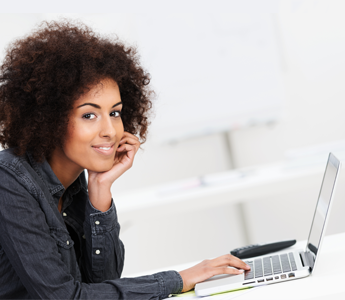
248	106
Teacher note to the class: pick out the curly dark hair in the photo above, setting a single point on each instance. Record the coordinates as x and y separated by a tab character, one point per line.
45	72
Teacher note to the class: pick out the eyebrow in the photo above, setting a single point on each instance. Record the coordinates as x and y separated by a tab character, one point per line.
97	106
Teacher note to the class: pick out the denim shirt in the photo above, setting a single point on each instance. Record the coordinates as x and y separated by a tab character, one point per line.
75	254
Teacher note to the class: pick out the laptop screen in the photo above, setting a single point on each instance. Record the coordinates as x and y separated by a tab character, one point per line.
322	208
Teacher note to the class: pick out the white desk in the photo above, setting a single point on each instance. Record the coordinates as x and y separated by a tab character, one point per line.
327	281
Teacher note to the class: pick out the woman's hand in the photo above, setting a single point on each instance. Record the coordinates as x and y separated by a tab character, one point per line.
209	268
128	147
99	184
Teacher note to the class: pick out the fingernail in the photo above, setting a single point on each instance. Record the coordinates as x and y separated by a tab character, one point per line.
240	271
248	266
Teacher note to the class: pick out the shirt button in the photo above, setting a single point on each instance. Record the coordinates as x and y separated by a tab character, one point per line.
97	222
98	252
67	242
64	214
84	236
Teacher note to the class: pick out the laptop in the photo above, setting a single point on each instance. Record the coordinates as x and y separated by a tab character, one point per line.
287	265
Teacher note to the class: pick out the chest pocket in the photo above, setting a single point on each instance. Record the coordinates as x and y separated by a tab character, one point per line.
61	238
65	247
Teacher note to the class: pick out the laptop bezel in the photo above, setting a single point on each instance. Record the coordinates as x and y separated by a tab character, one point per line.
337	163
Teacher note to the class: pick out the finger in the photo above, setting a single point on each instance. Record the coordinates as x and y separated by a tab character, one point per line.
226	270
127	134
238	263
127	148
129	140
230	260
124	154
136	146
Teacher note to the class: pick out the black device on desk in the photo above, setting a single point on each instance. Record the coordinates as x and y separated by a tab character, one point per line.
261	249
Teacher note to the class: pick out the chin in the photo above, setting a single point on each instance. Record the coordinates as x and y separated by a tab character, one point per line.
100	168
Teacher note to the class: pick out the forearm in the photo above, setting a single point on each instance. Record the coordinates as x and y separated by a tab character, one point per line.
99	194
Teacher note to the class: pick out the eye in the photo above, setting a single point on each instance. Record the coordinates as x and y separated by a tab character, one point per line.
115	114
89	116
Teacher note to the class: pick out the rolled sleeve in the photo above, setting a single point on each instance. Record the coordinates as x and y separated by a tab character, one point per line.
170	282
101	222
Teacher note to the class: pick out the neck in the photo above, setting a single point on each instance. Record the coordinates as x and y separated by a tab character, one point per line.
65	170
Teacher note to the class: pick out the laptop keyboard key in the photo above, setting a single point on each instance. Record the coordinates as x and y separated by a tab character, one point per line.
292	261
258	268
267	266
276	264
249	274
285	263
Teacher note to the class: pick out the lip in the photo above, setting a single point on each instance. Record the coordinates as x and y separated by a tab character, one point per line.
103	151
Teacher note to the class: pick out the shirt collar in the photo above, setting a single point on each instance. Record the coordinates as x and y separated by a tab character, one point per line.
54	185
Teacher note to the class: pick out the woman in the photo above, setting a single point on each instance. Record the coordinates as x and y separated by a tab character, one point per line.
71	100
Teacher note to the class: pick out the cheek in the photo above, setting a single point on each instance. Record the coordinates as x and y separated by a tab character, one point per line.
120	131
76	138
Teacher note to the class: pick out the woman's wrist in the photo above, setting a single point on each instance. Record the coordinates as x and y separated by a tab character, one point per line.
100	196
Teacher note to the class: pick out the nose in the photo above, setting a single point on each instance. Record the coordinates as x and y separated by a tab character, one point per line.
107	128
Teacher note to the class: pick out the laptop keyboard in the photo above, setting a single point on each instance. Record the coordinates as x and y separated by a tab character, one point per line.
270	265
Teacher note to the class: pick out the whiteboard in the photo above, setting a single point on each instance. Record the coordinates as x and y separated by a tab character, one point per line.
211	72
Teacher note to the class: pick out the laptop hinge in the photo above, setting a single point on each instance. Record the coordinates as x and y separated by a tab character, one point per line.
307	259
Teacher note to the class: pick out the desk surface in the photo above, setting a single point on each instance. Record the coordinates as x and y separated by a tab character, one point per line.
327	281
242	185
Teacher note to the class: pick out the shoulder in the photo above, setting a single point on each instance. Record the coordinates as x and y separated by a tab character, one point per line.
8	159
13	172
12	163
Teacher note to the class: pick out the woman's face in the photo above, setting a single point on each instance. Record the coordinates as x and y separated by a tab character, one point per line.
95	128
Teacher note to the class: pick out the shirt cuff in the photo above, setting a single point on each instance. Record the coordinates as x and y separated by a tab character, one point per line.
170	282
99	221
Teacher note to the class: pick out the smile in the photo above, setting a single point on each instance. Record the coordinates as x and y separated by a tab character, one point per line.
109	150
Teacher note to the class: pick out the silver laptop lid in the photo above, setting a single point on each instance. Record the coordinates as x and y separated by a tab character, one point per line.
322	210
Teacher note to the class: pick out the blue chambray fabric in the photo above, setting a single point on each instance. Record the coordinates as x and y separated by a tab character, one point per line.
75	254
